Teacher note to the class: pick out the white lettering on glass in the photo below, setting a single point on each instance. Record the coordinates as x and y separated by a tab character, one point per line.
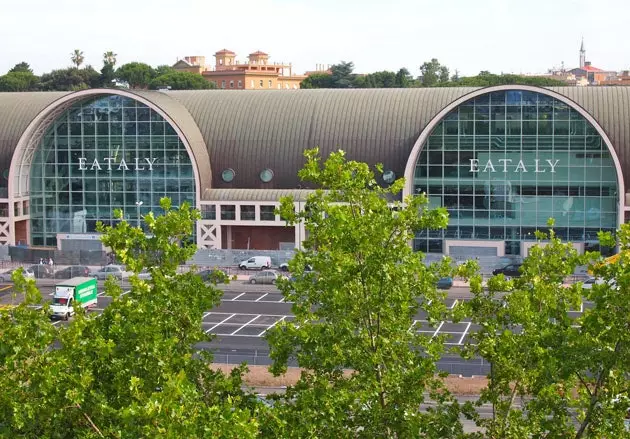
539	166
474	165
490	166
553	165
139	164
505	162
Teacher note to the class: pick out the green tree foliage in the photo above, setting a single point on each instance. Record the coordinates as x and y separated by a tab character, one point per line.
19	81
486	79
22	67
182	81
108	71
384	79
555	375
132	371
433	73
70	79
317	80
77	58
341	74
163	70
356	311
136	74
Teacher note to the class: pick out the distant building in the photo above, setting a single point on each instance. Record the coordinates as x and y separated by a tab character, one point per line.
230	74
592	75
622	78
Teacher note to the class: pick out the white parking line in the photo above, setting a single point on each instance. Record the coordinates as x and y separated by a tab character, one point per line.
222	321
205	315
248	314
259	315
261	297
438	329
461	340
455	302
233	299
267	329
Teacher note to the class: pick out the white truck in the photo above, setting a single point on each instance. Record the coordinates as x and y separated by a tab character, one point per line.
78	290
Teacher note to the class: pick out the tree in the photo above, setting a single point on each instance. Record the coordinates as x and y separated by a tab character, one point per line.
433	73
403	78
108	70
356	311
486	79
77	58
136	74
317	80
109	57
22	67
132	371
569	375
163	70
182	81
19	81
70	79
341	75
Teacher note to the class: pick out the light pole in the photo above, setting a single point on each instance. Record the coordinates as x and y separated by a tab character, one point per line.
138	204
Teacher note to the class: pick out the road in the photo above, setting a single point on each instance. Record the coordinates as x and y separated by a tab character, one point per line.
247	311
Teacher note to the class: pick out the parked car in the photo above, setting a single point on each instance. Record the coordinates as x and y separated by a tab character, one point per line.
118	271
73	271
445	283
285	267
6	276
213	275
588	283
41	271
144	274
255	263
511	270
265	277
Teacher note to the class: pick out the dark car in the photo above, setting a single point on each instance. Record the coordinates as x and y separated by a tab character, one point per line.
512	270
445	283
42	271
72	271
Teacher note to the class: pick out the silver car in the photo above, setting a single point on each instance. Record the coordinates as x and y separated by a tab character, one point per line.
265	277
118	271
6	276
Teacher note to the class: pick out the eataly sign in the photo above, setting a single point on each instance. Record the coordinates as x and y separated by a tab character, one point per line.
509	165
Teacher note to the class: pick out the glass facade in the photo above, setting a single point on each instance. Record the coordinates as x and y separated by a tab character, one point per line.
505	162
103	154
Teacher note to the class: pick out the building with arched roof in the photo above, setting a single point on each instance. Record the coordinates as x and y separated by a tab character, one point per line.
502	160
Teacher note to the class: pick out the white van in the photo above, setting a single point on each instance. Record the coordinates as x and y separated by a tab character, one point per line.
255	263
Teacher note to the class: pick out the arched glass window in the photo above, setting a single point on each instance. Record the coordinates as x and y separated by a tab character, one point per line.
505	162
102	154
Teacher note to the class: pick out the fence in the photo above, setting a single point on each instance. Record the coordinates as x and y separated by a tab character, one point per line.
26	255
475	367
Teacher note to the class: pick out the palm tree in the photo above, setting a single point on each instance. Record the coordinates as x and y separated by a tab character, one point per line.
109	57
77	57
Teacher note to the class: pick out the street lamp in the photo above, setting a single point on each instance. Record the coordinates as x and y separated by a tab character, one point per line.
138	204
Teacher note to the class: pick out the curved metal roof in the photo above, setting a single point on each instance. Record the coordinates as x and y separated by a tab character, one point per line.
252	130
249	131
17	110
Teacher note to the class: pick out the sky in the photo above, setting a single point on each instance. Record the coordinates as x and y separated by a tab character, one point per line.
509	36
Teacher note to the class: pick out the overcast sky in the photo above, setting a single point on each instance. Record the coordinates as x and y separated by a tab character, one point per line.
518	36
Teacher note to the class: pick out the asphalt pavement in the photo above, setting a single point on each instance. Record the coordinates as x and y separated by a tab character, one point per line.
247	312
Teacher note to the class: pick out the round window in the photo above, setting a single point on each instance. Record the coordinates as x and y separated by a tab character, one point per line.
266	175
228	175
389	176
